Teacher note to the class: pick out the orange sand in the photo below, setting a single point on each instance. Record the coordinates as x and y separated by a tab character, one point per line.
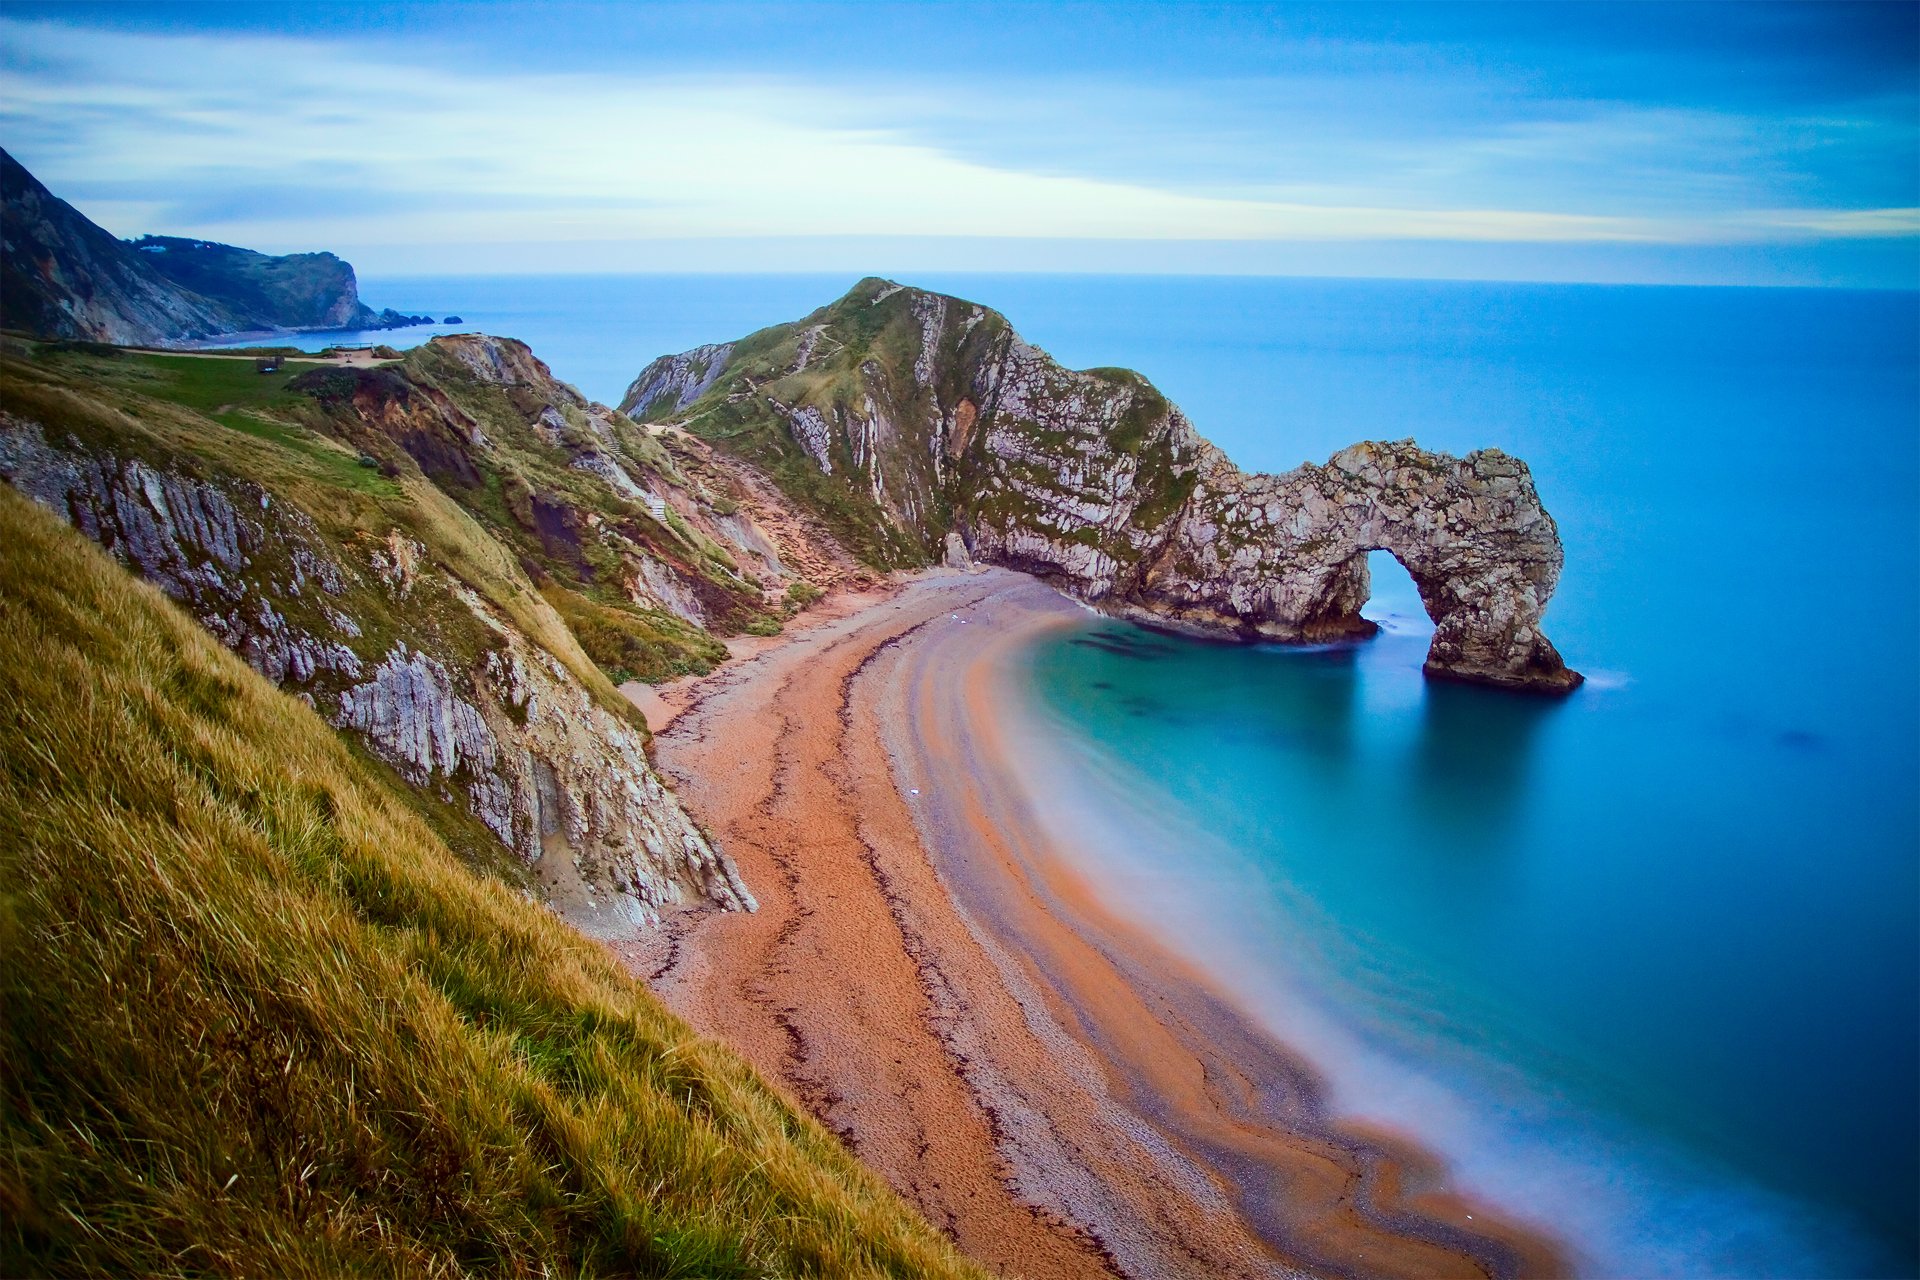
934	982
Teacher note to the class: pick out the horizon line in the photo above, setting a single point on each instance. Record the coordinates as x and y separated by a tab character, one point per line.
895	276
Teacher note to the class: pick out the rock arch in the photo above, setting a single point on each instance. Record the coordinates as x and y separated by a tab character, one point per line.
1094	481
1284	556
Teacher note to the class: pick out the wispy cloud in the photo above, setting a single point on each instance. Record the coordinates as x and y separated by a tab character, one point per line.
302	142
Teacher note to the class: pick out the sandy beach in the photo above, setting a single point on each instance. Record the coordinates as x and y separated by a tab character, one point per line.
941	987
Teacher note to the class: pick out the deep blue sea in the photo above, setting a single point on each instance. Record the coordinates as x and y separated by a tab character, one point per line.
1642	963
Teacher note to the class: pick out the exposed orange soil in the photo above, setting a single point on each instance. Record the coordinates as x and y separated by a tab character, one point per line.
935	983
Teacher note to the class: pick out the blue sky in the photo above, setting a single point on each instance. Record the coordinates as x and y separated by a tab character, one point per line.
1722	143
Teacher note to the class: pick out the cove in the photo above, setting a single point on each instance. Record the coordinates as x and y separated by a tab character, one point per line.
1622	960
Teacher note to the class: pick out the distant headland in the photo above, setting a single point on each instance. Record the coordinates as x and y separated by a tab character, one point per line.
64	276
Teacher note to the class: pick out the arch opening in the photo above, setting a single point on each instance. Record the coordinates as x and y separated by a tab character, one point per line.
1393	602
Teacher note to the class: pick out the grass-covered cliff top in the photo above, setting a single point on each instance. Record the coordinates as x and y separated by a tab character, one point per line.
859	356
476	510
258	290
874	411
257	1020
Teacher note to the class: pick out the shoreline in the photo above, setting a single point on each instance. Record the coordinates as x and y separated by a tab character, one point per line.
1047	1084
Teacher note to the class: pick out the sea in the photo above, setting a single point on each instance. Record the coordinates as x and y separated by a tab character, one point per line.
1642	964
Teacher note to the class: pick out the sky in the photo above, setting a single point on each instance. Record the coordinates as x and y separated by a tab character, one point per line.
1663	143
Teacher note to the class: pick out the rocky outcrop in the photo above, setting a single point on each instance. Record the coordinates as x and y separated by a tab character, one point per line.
1286	556
554	776
672	525
451	693
929	418
1098	484
63	276
505	362
200	544
671	383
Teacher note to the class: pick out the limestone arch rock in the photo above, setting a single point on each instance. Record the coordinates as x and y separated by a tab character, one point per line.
923	428
1284	556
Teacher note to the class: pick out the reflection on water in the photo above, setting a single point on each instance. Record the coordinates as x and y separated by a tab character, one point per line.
1474	760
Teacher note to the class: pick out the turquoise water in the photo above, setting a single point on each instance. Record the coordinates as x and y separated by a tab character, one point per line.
1669	923
1642	962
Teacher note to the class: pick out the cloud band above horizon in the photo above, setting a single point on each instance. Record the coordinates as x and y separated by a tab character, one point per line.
424	160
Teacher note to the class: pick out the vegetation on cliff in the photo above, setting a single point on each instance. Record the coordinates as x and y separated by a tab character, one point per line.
257	1019
453	557
919	425
844	409
262	291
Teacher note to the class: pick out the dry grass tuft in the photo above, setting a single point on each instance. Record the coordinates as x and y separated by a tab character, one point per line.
256	1020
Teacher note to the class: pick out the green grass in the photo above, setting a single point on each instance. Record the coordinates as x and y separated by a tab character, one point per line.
863	335
520	465
257	1020
228	392
118	405
338	465
633	644
208	383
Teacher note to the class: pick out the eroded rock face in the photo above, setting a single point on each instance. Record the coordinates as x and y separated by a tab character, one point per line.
674	382
1166	528
552	775
198	543
1285	556
1095	482
495	724
722	546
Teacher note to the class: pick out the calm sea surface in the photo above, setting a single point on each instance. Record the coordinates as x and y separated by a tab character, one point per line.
1643	962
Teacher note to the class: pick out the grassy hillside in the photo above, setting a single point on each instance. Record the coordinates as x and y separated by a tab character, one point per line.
853	362
256	1019
876	413
220	418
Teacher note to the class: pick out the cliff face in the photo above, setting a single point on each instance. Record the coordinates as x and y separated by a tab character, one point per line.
62	276
452	558
920	426
260	291
603	512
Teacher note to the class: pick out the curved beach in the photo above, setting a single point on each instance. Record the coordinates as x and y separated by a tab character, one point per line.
934	981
